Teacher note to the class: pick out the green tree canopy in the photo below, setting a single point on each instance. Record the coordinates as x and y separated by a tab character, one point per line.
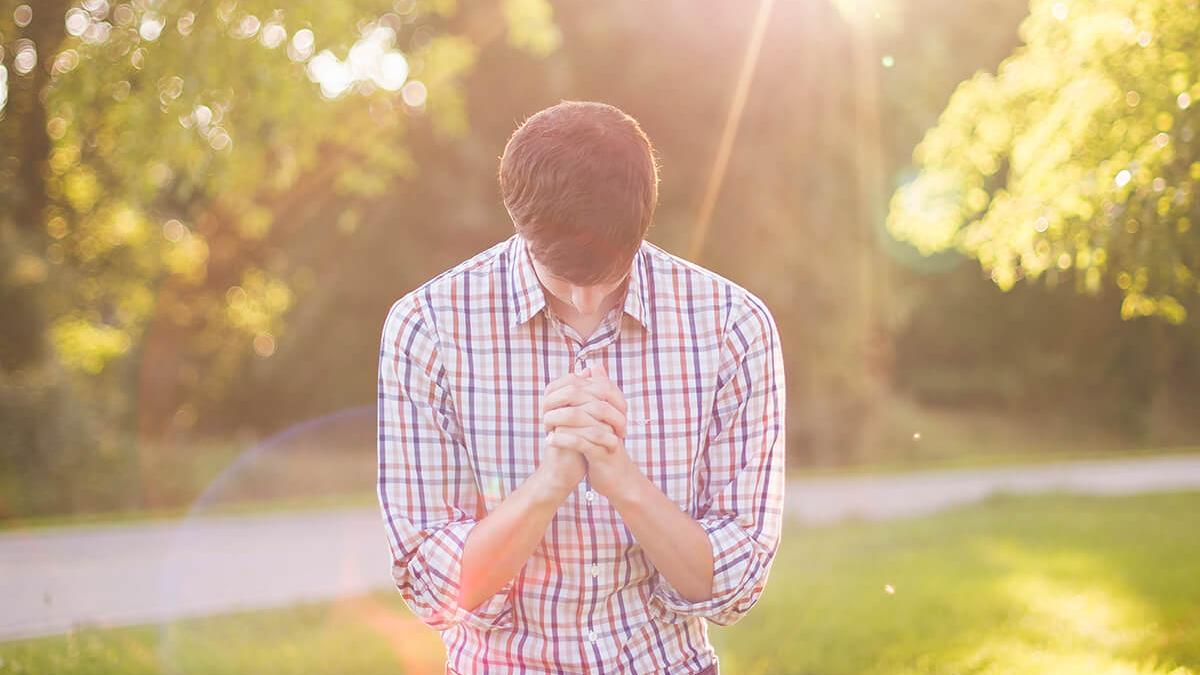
180	134
1079	154
157	156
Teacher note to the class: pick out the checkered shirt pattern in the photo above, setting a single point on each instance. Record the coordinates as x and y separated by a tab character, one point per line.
464	359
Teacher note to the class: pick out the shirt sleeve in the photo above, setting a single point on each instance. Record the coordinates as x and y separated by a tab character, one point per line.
427	488
742	509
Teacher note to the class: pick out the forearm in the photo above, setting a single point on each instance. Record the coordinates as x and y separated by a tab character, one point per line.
502	542
676	544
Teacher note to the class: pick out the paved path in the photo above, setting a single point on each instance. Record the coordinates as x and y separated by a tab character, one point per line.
879	497
54	579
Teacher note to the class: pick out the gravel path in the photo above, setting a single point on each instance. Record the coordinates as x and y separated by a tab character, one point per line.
55	579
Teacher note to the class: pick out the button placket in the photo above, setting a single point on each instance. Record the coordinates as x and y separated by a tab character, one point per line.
593	570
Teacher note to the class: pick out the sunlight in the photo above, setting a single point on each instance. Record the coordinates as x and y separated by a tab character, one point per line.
1088	616
371	59
1069	616
733	118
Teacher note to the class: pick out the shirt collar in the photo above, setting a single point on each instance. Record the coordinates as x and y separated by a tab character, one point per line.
528	296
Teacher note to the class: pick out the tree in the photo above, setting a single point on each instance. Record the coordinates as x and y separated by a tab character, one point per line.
1079	154
157	155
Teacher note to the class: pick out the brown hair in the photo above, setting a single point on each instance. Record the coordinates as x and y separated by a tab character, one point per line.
580	180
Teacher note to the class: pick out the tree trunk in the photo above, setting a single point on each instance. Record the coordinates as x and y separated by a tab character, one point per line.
23	132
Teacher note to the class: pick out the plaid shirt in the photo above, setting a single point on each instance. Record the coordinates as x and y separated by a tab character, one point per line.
463	361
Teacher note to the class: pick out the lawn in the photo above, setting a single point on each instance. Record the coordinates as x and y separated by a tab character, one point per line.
1050	584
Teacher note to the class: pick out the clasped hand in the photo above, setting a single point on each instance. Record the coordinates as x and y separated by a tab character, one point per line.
584	413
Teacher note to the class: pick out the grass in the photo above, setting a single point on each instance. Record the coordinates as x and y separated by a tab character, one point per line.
995	460
906	436
355	636
106	518
1050	584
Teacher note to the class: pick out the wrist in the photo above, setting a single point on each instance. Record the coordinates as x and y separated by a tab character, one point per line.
631	493
548	489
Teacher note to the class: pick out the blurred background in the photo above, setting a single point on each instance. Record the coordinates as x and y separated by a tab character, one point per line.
975	223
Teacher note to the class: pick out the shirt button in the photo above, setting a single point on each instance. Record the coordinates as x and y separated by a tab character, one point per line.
591	495
595	570
592	637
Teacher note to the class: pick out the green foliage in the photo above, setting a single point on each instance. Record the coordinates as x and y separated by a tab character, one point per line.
203	229
531	26
158	165
1079	154
179	133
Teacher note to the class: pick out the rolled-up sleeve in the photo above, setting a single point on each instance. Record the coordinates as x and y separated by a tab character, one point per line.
742	509
426	487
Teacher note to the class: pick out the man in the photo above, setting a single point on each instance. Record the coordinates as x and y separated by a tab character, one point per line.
581	436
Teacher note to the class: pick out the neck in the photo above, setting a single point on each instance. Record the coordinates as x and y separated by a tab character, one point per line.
568	313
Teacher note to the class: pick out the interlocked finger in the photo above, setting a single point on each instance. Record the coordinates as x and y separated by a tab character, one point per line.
578	440
571	416
576	392
565	380
587	412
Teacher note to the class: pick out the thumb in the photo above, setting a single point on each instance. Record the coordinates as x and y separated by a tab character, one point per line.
599	370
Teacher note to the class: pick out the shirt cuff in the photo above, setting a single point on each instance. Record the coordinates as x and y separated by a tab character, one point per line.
439	576
735	571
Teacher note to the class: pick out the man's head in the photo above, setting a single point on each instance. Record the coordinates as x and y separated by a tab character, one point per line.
580	181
